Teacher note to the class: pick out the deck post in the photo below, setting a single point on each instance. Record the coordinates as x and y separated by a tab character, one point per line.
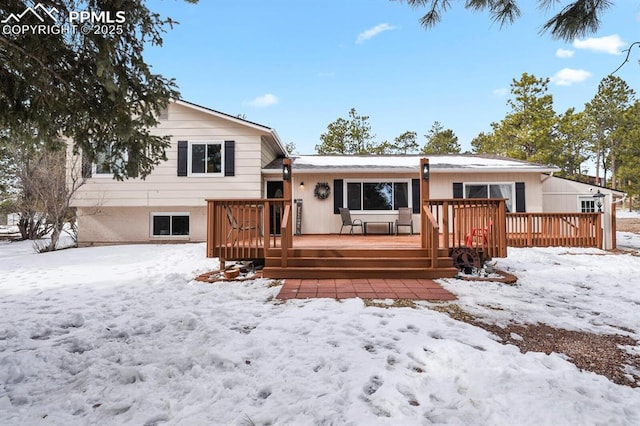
614	242
210	231
266	229
424	198
445	224
288	196
599	231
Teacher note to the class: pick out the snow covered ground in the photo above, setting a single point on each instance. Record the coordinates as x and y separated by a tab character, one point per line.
626	214
122	335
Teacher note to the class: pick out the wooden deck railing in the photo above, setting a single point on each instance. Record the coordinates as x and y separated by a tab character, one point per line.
241	229
554	229
431	235
286	236
480	223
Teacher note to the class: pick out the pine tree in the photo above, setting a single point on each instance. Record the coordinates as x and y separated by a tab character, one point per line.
441	141
527	131
575	19
605	114
93	89
348	136
628	133
571	149
406	143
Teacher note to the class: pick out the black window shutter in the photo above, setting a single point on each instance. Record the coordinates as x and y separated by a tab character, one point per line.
229	158
338	190
520	198
415	194
86	166
458	190
183	154
133	163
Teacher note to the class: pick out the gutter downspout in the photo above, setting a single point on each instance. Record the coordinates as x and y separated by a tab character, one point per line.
546	178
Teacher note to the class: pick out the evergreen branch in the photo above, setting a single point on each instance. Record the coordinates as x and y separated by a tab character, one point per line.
44	66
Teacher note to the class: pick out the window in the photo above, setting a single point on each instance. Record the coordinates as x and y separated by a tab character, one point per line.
587	204
169	224
106	162
376	196
102	166
491	190
205	158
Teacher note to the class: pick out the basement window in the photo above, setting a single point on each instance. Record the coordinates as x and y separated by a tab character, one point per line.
169	224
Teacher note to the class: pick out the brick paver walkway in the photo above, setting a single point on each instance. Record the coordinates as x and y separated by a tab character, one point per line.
415	289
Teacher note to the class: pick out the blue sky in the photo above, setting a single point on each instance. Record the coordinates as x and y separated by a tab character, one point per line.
298	65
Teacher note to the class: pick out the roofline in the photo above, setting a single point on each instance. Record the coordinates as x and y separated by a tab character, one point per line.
436	170
589	184
237	120
419	155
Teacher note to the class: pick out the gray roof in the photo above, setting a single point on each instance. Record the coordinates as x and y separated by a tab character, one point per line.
408	163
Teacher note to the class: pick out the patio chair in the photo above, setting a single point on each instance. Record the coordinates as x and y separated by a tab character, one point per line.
345	214
234	225
479	236
405	218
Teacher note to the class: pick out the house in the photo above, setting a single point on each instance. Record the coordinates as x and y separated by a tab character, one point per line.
223	183
212	155
373	187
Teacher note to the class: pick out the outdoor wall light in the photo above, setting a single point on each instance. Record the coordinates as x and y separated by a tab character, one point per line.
286	172
599	196
301	184
425	171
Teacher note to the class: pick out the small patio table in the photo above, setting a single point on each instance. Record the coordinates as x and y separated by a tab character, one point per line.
389	224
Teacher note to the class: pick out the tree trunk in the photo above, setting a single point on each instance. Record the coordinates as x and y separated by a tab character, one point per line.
598	164
613	168
55	236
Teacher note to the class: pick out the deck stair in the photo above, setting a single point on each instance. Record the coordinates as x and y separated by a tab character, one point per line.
358	263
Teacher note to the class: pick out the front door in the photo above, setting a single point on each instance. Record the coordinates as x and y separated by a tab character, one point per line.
275	189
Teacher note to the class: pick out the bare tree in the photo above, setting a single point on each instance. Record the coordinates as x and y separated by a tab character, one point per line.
43	184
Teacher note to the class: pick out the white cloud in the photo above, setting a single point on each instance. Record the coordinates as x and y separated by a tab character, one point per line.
500	92
568	76
263	101
564	53
372	32
608	44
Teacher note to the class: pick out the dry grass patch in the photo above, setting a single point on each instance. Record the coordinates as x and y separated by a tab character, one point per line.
599	353
396	303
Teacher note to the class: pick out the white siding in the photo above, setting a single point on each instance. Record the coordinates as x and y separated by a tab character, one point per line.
120	225
442	185
318	216
561	195
164	188
268	153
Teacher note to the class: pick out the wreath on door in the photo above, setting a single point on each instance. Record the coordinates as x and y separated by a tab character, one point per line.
322	190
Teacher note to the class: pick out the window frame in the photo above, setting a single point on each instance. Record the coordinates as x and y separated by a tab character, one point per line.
392	181
590	199
190	171
488	184
170	215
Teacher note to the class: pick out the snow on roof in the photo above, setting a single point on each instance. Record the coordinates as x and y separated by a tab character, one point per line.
411	163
